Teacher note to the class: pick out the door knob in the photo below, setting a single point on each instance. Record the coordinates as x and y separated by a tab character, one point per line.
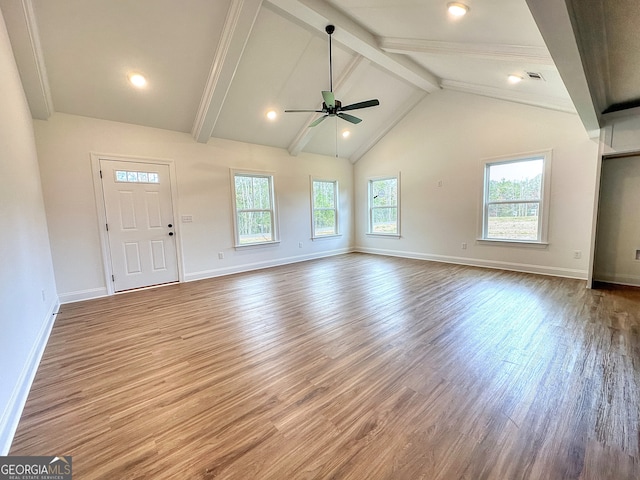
171	234
170	225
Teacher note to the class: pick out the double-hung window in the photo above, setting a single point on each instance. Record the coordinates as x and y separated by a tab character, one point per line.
254	208
324	208
384	206
516	198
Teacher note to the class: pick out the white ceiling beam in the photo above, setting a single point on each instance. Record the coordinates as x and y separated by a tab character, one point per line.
390	123
510	53
352	74
22	27
318	14
240	19
536	100
554	23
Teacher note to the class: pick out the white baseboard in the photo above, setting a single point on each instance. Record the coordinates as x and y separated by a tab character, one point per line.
474	262
618	279
80	295
247	267
477	262
92	293
13	411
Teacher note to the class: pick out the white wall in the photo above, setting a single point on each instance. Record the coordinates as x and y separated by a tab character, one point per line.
444	138
618	236
27	286
204	192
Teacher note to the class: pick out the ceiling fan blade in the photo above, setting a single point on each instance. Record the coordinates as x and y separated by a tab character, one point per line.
300	111
349	118
317	121
329	99
366	104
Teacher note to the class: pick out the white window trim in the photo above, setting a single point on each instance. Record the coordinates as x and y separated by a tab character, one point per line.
337	208
274	208
370	209
545	200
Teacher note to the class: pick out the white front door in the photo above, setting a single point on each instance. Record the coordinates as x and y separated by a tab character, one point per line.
140	223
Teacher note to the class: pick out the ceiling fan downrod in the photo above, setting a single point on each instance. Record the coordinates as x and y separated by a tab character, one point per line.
330	29
330	106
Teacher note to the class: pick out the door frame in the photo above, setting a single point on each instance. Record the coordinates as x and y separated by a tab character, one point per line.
605	152
102	213
596	216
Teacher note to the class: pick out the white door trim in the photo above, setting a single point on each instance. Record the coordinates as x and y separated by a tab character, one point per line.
102	214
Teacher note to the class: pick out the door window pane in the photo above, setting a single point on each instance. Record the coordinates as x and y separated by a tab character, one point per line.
125	176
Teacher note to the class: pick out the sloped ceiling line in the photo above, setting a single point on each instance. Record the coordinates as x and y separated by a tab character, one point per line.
351	75
318	14
525	98
401	112
237	28
510	53
554	23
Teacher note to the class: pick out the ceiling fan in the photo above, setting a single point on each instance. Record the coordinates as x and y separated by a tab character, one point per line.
332	107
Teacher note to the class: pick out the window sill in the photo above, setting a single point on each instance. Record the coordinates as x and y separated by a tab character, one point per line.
322	237
512	243
253	245
385	235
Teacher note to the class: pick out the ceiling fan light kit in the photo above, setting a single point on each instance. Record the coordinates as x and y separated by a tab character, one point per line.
330	106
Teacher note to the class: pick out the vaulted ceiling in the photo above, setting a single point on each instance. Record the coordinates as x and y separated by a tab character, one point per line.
214	68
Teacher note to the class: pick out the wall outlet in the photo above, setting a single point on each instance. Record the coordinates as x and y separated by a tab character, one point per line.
439	183
577	254
220	255
464	245
44	296
299	244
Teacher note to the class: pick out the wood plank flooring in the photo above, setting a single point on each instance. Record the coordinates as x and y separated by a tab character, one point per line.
350	367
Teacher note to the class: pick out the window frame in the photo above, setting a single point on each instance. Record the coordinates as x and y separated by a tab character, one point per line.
336	209
371	208
545	192
273	204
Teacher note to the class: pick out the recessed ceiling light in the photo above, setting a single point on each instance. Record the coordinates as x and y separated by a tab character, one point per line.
346	134
271	114
457	9
514	78
137	80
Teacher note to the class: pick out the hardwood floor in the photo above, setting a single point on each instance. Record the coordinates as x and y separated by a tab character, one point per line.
351	367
